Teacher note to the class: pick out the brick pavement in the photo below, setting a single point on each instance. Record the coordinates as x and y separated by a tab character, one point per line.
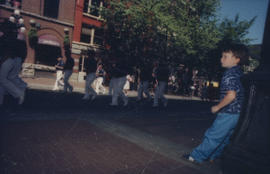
74	146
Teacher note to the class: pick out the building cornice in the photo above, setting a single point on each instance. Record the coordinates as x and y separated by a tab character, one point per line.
38	16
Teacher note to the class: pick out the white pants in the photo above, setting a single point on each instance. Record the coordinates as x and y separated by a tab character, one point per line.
159	93
118	91
143	88
99	85
58	81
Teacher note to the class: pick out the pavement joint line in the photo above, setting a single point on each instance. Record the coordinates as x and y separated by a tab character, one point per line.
149	142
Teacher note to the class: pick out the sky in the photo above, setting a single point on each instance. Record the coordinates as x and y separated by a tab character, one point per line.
247	9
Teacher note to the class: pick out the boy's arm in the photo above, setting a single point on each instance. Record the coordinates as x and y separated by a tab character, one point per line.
229	97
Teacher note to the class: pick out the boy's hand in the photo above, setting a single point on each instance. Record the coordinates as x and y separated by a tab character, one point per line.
214	109
229	97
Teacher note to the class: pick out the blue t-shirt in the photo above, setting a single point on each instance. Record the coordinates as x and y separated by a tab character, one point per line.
231	82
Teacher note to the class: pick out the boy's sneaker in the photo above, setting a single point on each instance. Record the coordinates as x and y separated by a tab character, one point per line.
189	158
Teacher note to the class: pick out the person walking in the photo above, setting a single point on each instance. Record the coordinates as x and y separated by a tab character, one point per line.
100	78
120	73
91	68
59	73
228	109
112	76
161	83
12	52
145	76
19	59
68	68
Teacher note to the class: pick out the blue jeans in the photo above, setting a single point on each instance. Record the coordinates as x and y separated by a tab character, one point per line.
159	92
8	77
216	137
14	74
88	82
67	86
143	87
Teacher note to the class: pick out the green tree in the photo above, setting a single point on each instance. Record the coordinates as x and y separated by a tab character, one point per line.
230	31
172	31
175	31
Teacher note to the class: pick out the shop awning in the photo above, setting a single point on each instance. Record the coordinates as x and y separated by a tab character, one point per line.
49	39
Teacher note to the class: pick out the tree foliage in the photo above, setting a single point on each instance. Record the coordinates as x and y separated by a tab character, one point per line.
175	31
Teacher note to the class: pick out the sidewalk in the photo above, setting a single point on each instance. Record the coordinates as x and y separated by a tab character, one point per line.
75	146
48	83
55	132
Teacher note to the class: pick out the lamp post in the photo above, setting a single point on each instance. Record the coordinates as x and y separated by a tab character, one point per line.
249	152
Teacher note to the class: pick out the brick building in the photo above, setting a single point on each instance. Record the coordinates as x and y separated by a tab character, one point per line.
79	19
87	32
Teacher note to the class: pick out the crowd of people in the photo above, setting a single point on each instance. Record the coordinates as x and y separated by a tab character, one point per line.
121	78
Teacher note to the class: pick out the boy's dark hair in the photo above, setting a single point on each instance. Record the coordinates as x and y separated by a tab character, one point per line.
239	51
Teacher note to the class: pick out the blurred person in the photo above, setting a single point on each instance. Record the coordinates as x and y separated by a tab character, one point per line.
68	68
120	74
145	76
162	77
100	74
112	76
91	68
59	74
129	80
13	51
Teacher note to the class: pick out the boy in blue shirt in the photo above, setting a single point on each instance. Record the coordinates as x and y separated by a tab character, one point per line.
228	109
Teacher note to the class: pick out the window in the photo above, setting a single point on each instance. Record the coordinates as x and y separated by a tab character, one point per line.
91	35
51	8
86	33
92	7
98	39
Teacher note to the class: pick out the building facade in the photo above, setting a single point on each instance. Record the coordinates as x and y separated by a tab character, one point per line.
80	20
87	31
52	19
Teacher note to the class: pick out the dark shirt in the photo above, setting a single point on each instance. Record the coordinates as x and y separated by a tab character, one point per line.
69	64
163	74
22	49
231	82
119	70
146	74
11	48
91	66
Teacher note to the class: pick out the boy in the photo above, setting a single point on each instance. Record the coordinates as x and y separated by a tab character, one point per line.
228	109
